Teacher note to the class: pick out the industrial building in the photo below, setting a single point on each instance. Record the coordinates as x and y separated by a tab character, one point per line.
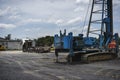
10	44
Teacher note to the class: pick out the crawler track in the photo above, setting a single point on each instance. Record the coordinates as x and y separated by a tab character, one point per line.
92	57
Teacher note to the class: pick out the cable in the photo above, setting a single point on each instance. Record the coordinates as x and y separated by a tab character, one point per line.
86	16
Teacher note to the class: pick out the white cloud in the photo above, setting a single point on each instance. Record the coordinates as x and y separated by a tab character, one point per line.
82	1
27	30
74	29
50	20
13	17
29	20
7	26
78	9
74	20
33	29
116	2
10	14
61	13
5	11
33	20
9	11
59	21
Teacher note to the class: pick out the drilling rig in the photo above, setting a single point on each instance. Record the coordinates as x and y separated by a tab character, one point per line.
88	49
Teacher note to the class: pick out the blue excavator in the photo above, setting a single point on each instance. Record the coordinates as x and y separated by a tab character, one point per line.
89	49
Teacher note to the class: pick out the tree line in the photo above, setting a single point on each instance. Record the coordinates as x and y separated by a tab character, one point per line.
45	41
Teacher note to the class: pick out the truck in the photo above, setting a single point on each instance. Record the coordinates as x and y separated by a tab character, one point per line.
2	48
29	46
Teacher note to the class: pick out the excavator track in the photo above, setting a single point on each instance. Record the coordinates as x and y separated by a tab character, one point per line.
98	57
92	57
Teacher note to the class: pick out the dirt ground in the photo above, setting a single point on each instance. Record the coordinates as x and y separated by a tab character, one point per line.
16	65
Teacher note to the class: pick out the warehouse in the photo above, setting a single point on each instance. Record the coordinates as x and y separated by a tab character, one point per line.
10	44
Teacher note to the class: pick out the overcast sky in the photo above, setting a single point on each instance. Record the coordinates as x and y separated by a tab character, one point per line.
37	18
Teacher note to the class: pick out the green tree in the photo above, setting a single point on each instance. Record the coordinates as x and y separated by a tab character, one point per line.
48	40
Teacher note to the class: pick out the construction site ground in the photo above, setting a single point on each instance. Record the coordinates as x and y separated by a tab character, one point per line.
18	65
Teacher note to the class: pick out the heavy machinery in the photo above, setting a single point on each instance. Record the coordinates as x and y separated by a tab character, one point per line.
88	49
42	49
29	46
2	48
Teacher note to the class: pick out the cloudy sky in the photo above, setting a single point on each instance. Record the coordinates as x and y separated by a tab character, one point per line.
37	18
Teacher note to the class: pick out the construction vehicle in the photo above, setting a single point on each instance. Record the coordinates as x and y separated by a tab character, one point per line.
29	46
2	48
42	49
88	49
52	48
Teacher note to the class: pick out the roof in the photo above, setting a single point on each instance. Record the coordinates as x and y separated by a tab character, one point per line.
3	40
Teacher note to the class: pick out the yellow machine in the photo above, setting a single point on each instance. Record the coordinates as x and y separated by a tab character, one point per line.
2	48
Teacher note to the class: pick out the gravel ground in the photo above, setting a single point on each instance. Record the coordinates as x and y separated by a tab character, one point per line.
16	65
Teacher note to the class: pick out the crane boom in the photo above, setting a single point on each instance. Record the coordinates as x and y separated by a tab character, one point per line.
106	16
110	16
